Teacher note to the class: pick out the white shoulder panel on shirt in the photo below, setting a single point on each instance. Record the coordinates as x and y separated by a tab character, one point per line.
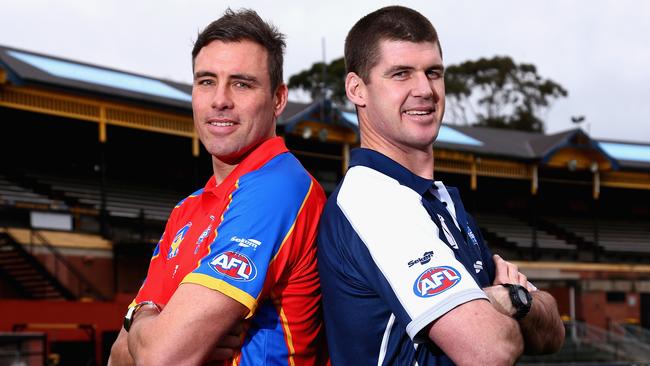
403	241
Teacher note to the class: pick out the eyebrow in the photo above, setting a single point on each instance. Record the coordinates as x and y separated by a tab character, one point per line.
397	68
244	77
200	74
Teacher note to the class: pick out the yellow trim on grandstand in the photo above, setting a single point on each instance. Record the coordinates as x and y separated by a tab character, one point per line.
462	163
582	158
90	109
3	76
632	180
224	287
60	239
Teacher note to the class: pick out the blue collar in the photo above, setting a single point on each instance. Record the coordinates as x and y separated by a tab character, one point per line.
385	165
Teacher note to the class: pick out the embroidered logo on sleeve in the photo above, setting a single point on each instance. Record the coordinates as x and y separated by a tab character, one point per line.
435	280
235	266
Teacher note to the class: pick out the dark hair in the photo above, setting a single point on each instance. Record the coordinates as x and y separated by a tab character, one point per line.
395	23
245	24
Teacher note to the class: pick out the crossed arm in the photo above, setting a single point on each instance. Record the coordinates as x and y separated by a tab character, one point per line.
197	326
485	333
542	328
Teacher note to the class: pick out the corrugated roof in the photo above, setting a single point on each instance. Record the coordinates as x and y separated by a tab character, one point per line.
30	68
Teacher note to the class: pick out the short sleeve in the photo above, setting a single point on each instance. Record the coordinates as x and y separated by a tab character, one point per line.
414	271
253	233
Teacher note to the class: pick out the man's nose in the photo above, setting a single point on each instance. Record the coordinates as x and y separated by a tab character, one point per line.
222	98
423	86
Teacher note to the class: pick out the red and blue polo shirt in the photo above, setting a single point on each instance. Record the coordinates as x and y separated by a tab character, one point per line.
252	238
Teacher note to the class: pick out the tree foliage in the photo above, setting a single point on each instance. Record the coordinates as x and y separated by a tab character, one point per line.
311	81
497	92
494	92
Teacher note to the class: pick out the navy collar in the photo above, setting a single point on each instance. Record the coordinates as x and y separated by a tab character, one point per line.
385	165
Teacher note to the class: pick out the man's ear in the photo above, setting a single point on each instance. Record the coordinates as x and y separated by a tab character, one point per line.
355	89
280	99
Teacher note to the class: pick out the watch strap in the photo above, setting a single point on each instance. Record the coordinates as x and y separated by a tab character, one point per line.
521	308
130	314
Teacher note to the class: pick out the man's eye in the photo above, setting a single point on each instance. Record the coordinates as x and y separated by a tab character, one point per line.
401	74
205	82
434	74
241	84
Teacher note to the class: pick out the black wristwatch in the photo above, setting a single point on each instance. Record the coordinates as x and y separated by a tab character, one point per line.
521	299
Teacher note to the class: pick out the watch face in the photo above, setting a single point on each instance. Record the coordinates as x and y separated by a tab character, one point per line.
522	296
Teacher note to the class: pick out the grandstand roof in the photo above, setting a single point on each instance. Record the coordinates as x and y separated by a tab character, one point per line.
30	68
26	68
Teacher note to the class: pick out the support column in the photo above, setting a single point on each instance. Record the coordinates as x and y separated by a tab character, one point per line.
534	248
473	175
103	212
596	196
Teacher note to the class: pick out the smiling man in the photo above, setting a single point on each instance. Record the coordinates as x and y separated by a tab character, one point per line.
241	249
405	274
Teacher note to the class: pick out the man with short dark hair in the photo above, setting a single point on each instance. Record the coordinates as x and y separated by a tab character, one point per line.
405	273
242	249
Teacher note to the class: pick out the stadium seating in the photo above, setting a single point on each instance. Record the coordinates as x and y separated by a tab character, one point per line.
614	235
520	233
122	200
12	194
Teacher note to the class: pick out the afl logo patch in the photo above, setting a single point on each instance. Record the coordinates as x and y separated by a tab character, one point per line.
435	280
235	266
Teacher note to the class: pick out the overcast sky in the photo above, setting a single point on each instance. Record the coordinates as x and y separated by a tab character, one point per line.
598	50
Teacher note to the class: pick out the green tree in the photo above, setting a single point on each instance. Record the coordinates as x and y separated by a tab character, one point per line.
311	81
497	92
494	92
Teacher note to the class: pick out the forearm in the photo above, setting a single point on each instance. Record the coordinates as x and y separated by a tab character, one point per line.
542	328
194	324
120	355
141	340
475	334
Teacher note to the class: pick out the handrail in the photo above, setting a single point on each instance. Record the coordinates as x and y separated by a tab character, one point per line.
59	258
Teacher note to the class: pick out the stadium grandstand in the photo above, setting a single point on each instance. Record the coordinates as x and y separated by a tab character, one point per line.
94	159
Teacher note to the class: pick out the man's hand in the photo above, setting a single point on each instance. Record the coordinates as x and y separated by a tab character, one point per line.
506	272
500	298
193	326
226	347
542	328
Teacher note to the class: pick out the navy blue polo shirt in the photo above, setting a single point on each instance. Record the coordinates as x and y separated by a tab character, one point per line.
395	252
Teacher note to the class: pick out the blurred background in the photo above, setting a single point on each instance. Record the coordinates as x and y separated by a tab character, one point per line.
543	135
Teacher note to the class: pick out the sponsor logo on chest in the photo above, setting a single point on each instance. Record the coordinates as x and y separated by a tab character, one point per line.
246	243
424	259
436	280
235	266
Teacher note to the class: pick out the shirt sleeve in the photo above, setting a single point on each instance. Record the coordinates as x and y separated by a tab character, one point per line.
407	263
254	233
